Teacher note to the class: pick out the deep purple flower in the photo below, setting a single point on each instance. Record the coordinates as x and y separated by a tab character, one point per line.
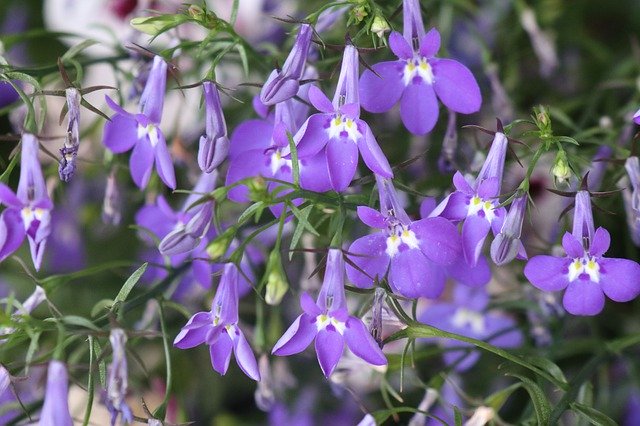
466	315
636	117
412	251
328	322
214	145
338	132
142	132
67	167
118	382
584	272
507	245
284	83
55	410
219	329
28	211
476	202
417	77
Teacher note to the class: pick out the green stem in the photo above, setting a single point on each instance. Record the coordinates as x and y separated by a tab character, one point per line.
160	412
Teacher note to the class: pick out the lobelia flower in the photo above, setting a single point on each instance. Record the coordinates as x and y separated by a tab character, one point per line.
112	202
631	198
55	410
466	315
338	132
586	275
28	211
506	246
328	322
417	77
283	84
412	251
117	382
636	117
214	145
476	202
219	329
67	167
142	132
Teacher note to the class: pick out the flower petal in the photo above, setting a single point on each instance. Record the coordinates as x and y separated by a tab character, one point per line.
430	43
456	86
194	332
329	347
583	297
472	276
572	246
342	160
601	242
8	197
319	100
372	155
164	165
419	108
12	232
309	306
247	164
361	343
296	339
378	93
312	136
121	133
314	175
141	163
244	355
619	278
413	275
547	273
399	46
371	217
474	232
220	353
369	254
438	238
250	135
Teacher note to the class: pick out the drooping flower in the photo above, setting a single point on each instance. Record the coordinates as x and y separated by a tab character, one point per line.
67	167
507	245
631	198
118	382
214	145
586	275
219	329
28	211
142	132
328	322
476	201
55	410
338	132
284	83
417	77
412	251
467	315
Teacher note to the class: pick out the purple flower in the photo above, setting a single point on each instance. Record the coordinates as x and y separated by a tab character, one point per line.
214	145
631	198
142	132
466	315
328	322
112	202
28	211
219	329
117	383
417	77
338	132
586	275
507	245
67	167
283	84
636	117
55	410
476	202
412	251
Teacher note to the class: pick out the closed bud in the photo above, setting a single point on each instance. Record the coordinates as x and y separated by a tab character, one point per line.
380	26
507	245
561	170
258	189
277	284
218	247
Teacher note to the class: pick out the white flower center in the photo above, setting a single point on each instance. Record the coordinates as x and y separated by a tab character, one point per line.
419	67
149	131
277	162
477	205
584	265
467	318
29	215
324	320
397	236
342	126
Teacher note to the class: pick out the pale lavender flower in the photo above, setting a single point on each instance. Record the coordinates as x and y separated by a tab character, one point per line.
586	275
631	198
67	167
118	382
214	145
219	329
5	379
28	211
142	132
417	77
55	410
112	202
507	245
328	322
284	83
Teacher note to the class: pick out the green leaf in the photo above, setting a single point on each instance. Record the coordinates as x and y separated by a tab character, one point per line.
541	404
297	234
592	415
255	208
77	49
457	416
497	399
547	365
100	306
90	383
294	160
131	281
102	367
80	322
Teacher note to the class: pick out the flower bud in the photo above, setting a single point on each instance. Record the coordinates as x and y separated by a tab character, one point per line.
218	247
380	26
506	246
561	170
277	284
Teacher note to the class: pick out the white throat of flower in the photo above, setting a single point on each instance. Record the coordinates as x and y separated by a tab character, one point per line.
467	318
477	204
150	131
340	124
30	214
398	235
324	320
277	162
417	66
586	264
